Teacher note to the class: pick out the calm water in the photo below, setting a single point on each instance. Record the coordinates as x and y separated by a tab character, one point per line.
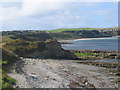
108	44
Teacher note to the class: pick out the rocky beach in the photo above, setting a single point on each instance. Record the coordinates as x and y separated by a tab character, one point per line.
54	73
37	59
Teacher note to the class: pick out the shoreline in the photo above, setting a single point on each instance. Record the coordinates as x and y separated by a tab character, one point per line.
93	38
68	41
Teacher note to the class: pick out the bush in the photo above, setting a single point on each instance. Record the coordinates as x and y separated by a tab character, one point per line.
8	59
6	81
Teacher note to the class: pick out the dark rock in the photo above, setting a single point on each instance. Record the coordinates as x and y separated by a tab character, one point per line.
113	55
52	50
117	57
96	51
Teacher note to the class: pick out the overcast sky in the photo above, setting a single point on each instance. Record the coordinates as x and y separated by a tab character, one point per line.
34	15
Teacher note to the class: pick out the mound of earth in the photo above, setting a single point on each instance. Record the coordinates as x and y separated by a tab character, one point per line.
52	50
39	49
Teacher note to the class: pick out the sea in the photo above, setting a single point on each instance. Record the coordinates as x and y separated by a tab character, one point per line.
106	44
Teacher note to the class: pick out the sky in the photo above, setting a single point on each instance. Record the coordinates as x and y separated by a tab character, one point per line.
54	14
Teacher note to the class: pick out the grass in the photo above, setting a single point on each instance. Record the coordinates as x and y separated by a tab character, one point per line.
6	81
86	54
24	48
3	62
72	29
62	36
4	39
8	59
89	56
78	29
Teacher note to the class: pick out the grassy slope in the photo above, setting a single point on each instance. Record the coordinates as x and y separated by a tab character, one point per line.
33	36
22	47
5	39
72	29
6	81
78	29
88	55
40	37
8	59
15	45
61	35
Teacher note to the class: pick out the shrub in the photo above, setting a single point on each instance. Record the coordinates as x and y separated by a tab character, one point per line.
7	81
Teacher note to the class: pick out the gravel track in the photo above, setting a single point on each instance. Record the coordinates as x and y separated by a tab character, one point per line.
49	73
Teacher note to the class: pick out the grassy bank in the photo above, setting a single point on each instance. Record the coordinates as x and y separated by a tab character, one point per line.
79	29
8	60
88	55
96	54
73	29
7	81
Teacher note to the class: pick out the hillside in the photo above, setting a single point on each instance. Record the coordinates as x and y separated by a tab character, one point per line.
8	60
29	45
38	49
65	33
42	36
12	48
72	29
80	29
93	33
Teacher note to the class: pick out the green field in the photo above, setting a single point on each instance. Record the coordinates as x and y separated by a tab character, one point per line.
73	29
78	29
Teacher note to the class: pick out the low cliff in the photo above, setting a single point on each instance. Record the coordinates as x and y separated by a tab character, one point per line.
93	33
68	33
40	49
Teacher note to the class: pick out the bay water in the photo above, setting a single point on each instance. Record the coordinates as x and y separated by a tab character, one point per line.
105	44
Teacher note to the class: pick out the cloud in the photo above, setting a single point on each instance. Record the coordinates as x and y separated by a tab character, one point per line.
77	16
34	14
39	6
35	7
28	8
9	13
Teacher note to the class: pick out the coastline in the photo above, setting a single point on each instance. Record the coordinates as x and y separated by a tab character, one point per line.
94	38
68	41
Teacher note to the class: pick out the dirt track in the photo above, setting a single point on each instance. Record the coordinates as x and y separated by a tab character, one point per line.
48	73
